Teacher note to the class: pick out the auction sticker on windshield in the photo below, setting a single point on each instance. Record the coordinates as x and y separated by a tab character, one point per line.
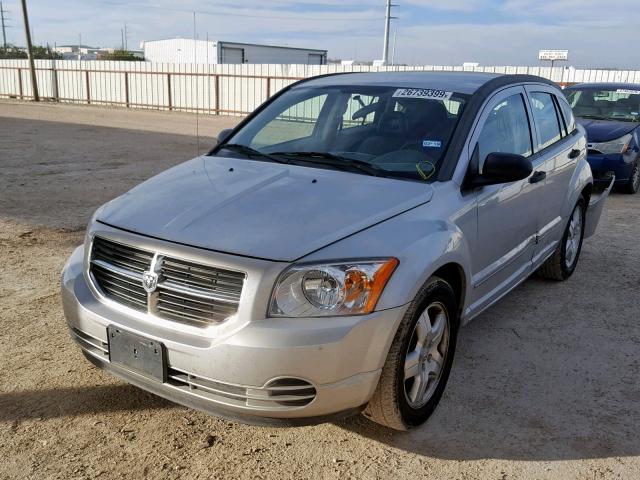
628	92
426	93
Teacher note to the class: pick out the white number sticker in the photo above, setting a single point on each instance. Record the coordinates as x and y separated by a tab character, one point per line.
628	92
426	93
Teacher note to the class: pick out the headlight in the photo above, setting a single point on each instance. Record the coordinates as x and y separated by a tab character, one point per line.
319	290
619	145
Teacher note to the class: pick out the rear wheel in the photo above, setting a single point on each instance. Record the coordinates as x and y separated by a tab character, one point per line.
564	260
633	185
419	361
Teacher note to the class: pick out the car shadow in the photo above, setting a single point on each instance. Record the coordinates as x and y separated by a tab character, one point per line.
549	373
73	401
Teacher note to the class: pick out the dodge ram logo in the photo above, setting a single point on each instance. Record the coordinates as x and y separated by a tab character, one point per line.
149	281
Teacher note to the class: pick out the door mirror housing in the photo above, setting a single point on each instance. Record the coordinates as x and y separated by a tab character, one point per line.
224	134
500	168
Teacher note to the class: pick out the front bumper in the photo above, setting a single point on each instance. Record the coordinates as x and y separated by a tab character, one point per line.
230	375
604	167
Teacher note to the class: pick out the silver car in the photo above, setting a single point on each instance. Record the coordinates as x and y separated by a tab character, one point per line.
320	260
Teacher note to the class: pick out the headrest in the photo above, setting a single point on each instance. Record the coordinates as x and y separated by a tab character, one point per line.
393	123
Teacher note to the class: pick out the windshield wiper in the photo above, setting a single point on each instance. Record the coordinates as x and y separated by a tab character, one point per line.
329	159
252	152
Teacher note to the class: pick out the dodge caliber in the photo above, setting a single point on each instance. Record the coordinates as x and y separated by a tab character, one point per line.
320	260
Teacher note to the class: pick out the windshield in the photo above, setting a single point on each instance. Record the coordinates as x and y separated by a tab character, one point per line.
621	104
372	130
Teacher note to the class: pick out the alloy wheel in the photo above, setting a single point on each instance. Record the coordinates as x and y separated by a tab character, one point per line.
572	245
426	355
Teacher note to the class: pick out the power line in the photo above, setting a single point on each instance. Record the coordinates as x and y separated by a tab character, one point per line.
266	17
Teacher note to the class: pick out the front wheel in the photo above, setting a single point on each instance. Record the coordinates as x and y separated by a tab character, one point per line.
419	360
564	260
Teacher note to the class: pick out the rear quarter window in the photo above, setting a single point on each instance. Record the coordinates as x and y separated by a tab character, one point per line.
567	115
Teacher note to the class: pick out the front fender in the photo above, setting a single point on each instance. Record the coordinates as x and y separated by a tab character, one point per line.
420	241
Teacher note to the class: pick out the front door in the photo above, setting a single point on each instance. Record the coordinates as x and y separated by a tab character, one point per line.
507	213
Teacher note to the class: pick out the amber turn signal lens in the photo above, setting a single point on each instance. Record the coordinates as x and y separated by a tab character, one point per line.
380	279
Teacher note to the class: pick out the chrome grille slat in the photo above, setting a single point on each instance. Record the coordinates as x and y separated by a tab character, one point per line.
181	312
125	290
134	259
201	307
187	292
117	271
198	292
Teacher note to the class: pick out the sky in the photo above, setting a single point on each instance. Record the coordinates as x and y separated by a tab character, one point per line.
597	33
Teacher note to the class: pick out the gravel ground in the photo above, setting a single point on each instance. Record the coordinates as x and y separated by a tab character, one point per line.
545	384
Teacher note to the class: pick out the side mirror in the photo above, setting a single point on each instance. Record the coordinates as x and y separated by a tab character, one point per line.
224	134
501	168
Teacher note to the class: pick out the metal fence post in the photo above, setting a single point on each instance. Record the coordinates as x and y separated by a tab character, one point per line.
216	84
169	91
86	77
20	84
268	87
55	85
126	89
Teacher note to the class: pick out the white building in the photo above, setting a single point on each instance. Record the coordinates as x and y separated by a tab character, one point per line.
182	50
76	52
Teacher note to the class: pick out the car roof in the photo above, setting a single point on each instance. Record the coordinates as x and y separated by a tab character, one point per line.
461	82
604	86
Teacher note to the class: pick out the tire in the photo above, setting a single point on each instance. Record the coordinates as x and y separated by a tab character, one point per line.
397	402
633	185
560	266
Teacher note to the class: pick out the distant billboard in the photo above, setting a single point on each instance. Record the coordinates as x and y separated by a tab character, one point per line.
553	55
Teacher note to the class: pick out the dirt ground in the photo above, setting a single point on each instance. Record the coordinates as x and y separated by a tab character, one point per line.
545	385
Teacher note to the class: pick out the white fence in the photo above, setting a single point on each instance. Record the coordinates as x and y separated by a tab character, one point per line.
214	89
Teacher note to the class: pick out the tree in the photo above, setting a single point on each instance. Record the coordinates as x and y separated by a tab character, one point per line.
123	55
39	52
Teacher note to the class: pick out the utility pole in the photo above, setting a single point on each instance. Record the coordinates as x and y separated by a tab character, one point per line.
393	50
4	33
32	65
387	26
126	40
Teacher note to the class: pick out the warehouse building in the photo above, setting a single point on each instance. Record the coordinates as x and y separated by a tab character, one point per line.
182	50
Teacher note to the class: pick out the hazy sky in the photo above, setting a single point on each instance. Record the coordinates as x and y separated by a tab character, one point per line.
598	33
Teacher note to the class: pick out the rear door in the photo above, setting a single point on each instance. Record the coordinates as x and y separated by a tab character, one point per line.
507	219
557	148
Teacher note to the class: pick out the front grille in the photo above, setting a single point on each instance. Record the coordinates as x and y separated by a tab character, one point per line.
187	292
279	394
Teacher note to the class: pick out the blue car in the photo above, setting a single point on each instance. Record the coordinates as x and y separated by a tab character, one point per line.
610	113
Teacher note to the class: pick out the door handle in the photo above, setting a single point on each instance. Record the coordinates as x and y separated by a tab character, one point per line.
537	177
575	153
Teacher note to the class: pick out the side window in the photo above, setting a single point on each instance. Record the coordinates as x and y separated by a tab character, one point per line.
361	110
506	130
296	122
546	118
567	114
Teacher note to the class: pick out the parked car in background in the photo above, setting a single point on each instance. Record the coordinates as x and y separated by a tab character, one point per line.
320	260
610	113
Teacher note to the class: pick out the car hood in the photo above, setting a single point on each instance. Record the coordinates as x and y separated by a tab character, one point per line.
605	130
259	209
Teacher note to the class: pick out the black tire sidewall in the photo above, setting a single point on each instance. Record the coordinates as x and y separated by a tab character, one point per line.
631	187
439	291
567	272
